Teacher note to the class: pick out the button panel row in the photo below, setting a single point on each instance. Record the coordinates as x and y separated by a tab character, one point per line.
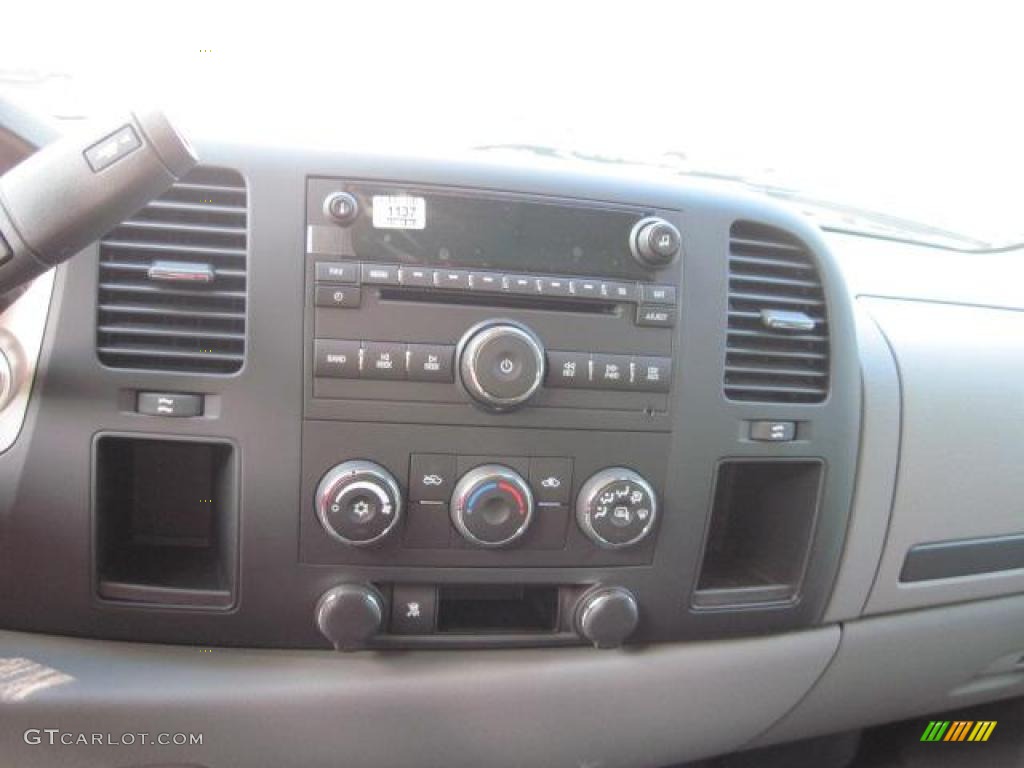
382	360
338	285
586	370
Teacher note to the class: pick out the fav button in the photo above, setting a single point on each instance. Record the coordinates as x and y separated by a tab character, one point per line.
337	272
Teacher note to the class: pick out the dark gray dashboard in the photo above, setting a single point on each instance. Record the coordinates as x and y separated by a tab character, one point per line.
765	554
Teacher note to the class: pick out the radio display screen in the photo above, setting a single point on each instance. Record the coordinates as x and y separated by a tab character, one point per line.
426	227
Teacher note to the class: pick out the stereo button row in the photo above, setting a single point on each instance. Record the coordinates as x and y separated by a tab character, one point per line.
382	360
583	370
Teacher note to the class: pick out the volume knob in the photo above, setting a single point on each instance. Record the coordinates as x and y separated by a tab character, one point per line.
655	242
501	364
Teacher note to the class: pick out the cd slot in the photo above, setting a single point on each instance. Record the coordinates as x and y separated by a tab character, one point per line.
550	303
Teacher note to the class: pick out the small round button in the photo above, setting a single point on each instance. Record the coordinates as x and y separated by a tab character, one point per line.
358	503
655	242
501	364
492	506
342	207
616	508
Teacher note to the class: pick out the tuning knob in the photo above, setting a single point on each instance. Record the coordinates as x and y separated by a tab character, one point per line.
492	506
349	615
358	503
655	242
501	364
607	616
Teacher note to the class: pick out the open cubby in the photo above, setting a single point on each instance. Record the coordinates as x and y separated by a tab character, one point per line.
760	534
165	521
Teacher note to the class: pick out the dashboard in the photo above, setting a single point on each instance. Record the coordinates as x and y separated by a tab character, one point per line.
485	424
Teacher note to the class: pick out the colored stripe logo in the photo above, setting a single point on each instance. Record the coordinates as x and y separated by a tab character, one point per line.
959	730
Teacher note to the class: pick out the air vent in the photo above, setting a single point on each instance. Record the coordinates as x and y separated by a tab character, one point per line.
172	280
778	348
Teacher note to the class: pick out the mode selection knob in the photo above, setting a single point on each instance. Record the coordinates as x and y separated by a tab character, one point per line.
492	506
349	615
607	616
655	242
358	503
616	508
501	364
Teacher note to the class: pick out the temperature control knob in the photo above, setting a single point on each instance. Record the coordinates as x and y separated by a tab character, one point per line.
501	364
607	616
655	242
492	506
358	503
350	614
616	508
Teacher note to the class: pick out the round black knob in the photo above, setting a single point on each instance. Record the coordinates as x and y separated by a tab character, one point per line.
607	616
616	508
492	506
655	242
350	614
342	207
358	503
501	364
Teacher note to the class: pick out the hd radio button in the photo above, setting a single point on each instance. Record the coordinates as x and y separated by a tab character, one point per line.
383	360
568	369
431	362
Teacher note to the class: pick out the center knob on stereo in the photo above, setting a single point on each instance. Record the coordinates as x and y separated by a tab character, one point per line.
358	502
501	364
492	506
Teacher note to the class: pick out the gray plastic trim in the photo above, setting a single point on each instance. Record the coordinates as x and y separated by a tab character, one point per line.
876	472
961	448
573	707
946	559
894	667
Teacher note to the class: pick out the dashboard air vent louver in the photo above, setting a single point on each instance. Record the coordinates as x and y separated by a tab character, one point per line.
778	339
172	281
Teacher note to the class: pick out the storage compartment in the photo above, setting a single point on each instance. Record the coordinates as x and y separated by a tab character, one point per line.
759	539
499	608
166	521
